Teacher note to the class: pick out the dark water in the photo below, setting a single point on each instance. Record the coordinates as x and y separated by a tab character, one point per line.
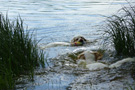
60	20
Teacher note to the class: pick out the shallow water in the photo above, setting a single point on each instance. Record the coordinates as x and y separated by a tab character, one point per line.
60	21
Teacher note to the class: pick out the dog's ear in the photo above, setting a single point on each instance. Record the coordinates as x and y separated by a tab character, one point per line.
81	56
98	56
83	38
73	40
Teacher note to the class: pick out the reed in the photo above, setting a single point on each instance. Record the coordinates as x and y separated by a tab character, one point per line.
19	53
121	31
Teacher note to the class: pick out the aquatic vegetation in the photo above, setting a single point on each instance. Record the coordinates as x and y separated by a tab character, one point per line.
19	53
121	31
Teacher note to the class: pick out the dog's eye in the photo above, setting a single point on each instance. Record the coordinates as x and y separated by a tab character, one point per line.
76	39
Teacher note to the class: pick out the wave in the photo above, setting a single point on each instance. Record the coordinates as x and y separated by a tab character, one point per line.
119	63
55	44
98	66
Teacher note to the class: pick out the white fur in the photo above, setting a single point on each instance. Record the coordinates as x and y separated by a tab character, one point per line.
119	63
54	44
90	58
96	66
81	63
91	64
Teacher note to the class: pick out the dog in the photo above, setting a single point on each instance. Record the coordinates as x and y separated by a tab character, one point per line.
90	56
78	41
89	60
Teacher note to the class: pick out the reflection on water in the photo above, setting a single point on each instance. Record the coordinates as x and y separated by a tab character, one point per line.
60	20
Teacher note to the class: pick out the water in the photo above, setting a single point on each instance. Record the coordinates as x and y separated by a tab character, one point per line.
54	19
60	21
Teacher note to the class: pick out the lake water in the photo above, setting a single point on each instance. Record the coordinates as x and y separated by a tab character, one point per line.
61	20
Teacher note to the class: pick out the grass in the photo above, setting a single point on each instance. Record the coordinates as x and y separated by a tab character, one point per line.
121	30
19	53
121	33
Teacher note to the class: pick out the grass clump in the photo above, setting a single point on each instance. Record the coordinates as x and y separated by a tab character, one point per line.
121	30
19	53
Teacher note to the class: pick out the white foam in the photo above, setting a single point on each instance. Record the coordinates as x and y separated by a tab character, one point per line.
96	66
119	63
55	44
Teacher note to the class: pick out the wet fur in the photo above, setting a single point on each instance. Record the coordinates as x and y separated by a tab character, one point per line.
92	64
90	58
78	39
98	55
75	39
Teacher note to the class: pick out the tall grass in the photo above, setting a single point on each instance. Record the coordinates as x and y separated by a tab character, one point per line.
19	53
121	30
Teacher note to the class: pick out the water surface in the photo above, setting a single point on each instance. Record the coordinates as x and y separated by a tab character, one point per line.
61	20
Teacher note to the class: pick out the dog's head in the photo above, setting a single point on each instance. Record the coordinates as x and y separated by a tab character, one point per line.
79	39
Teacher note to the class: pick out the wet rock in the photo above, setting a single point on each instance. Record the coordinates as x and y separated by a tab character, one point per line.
102	80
